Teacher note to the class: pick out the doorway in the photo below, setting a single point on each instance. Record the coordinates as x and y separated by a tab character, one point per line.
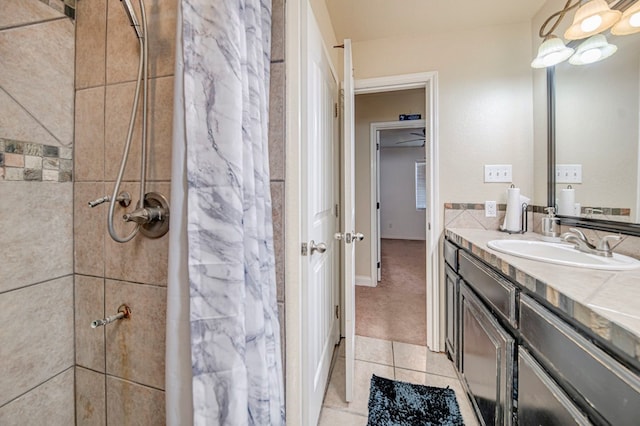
395	309
390	155
405	84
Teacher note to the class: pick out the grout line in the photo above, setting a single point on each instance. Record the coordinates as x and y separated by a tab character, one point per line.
40	384
133	382
35	284
29	24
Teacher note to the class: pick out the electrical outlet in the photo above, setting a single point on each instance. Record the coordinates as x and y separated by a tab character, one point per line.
498	173
568	173
490	209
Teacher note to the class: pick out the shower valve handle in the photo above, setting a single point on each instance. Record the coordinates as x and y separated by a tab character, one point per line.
145	215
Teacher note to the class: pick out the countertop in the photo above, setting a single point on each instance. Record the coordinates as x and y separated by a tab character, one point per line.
606	302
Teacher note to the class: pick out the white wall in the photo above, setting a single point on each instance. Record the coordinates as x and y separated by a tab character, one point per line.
372	108
399	218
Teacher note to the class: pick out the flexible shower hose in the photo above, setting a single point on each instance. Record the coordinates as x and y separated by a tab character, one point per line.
142	80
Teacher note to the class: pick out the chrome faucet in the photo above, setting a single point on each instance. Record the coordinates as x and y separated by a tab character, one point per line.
581	242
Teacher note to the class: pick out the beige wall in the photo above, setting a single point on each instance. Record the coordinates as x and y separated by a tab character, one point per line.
372	108
485	102
36	281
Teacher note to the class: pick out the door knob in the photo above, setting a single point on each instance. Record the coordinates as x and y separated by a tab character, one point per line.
319	247
358	236
338	236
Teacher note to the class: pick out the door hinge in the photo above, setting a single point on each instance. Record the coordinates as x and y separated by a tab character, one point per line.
378	206
377	147
335	110
378	265
429	226
304	251
337	311
337	211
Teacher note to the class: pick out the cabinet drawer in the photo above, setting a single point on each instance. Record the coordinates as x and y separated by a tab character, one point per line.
497	291
605	385
540	399
451	254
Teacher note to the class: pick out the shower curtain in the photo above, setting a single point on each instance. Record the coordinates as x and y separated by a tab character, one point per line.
223	364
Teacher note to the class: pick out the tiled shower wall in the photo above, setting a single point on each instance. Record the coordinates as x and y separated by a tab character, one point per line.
120	368
36	281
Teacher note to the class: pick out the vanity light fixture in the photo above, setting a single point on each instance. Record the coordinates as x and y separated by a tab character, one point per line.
630	21
591	18
593	49
552	51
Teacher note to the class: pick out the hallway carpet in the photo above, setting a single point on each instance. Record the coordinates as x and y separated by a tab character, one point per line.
396	308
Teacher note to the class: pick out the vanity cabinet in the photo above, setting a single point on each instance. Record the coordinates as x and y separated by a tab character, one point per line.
521	362
452	291
486	360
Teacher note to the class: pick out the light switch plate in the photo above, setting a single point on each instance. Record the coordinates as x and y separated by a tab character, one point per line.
568	173
498	173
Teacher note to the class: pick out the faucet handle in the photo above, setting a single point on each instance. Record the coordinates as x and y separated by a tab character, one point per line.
603	244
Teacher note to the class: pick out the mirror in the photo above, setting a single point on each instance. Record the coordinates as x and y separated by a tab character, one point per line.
597	126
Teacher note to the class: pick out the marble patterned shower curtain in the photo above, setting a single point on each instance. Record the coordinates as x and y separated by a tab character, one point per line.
221	231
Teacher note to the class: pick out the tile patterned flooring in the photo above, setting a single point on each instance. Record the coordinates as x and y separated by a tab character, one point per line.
392	360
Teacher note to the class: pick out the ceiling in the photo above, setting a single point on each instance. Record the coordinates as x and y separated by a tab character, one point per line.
362	20
389	138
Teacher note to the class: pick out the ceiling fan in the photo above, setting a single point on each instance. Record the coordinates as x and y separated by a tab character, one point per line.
421	138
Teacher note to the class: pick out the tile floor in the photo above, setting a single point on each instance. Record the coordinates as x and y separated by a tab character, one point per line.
392	360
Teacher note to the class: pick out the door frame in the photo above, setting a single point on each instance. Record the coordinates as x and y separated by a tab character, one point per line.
374	140
429	82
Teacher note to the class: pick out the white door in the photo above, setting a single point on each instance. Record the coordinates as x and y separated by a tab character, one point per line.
322	329
348	234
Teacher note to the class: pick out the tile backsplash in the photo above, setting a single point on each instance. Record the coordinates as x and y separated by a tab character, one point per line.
472	216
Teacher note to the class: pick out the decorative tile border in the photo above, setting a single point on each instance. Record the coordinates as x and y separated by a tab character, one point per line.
27	161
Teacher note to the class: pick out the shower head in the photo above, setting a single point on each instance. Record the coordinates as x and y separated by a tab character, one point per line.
128	8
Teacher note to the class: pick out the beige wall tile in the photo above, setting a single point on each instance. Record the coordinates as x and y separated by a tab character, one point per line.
160	129
132	404
36	241
20	12
277	30
17	124
89	306
36	342
277	207
89	228
89	140
118	104
119	101
122	44
142	259
37	71
91	37
90	398
135	346
277	122
51	403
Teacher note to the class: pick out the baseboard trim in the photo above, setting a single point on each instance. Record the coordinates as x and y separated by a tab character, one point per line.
365	281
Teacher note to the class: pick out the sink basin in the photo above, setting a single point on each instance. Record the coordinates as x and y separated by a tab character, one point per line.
563	254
